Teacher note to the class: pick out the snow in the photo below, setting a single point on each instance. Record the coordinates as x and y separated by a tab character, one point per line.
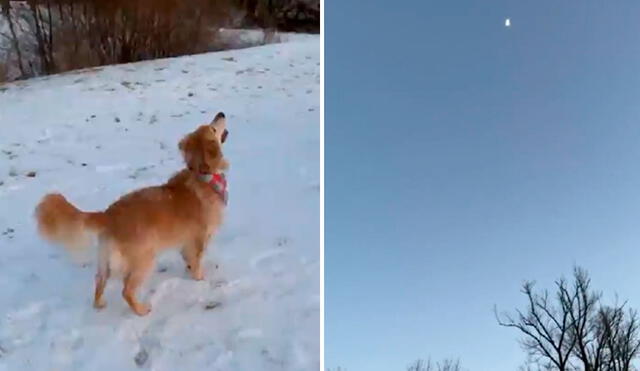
97	134
236	38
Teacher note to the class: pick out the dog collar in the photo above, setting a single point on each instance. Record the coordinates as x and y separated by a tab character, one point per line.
218	183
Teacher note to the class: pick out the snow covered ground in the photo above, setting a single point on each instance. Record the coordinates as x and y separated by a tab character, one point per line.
94	135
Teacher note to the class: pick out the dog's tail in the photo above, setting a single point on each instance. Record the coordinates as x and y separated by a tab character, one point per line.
62	223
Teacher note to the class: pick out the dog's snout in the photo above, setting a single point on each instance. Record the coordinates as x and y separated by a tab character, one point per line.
204	169
225	133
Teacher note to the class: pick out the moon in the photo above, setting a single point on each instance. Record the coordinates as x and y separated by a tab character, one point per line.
507	22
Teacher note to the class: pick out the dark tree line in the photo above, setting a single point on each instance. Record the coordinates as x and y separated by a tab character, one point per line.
448	364
572	329
51	36
286	15
445	365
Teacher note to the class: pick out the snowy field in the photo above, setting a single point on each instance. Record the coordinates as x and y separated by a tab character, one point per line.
97	134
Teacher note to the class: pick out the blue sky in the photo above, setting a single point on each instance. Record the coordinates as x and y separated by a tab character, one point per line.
463	157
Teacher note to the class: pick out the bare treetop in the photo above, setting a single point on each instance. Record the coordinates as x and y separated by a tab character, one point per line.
573	330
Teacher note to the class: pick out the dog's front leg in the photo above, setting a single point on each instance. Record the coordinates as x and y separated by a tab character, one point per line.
192	254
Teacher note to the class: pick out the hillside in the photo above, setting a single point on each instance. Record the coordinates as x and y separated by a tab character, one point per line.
96	134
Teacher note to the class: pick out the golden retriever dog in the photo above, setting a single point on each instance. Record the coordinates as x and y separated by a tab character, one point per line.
184	212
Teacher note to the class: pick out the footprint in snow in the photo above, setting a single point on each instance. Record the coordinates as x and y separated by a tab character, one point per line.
270	358
212	305
140	171
111	168
8	233
31	278
250	333
141	357
9	154
261	258
220	283
282	241
22	327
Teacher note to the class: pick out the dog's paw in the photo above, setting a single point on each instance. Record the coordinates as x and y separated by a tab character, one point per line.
198	275
195	273
100	304
142	309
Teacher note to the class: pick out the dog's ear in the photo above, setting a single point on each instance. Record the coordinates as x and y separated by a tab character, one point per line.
219	124
183	144
186	146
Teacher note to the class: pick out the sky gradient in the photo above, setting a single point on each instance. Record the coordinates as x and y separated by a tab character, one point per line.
463	157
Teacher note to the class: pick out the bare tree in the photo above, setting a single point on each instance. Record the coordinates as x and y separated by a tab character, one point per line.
13	38
619	334
420	365
449	365
581	304
573	331
42	21
546	329
445	365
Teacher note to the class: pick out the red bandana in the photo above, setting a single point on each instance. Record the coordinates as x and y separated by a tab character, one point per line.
218	182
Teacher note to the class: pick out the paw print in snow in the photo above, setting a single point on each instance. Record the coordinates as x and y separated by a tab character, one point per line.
8	233
282	241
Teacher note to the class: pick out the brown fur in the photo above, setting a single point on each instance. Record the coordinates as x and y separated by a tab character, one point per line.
183	212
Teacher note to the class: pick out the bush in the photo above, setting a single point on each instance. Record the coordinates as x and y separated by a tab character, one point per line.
57	35
51	36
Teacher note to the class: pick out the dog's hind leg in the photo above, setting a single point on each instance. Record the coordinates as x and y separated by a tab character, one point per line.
102	275
138	270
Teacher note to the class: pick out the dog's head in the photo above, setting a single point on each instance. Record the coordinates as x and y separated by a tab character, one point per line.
202	149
